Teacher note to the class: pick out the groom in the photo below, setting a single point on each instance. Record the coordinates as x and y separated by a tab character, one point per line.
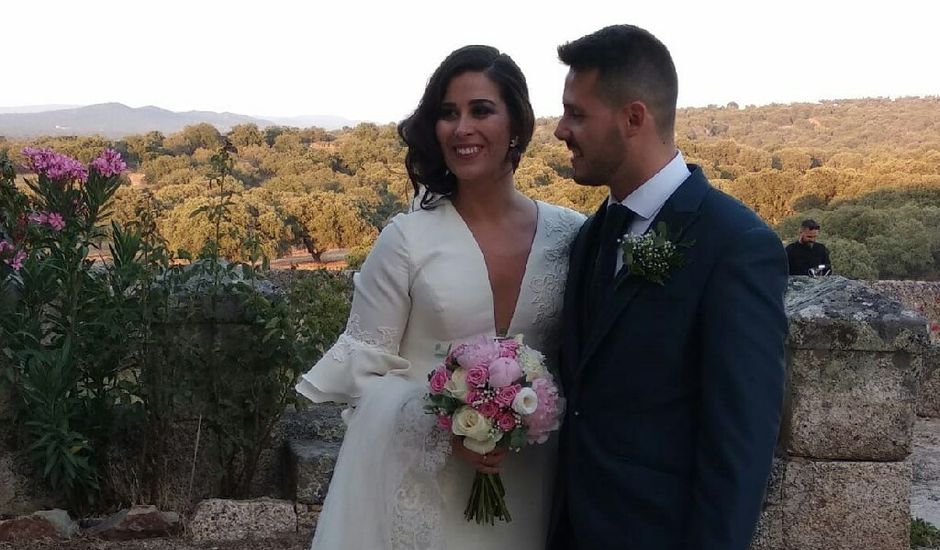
675	389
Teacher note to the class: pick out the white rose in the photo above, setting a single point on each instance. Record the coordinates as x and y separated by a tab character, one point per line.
482	447
532	363
457	385
469	423
526	402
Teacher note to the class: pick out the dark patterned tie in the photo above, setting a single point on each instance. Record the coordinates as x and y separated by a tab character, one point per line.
616	222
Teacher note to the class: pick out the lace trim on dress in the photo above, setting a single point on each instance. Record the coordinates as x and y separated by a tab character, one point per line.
418	504
383	339
547	295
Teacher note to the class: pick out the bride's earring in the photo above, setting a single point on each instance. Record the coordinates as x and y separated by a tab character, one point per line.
514	142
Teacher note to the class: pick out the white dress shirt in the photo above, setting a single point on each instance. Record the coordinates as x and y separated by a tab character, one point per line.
648	199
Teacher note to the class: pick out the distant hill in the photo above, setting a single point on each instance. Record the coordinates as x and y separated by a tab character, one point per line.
115	120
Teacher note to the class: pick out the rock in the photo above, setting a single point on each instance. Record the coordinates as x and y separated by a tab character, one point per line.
317	422
310	467
140	522
840	314
839	506
50	524
928	398
221	520
320	421
61	520
925	493
850	405
307	517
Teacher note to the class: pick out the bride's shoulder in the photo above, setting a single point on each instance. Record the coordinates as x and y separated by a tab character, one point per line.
560	219
418	219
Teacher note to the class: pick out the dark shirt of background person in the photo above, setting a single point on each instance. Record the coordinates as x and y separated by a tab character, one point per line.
805	253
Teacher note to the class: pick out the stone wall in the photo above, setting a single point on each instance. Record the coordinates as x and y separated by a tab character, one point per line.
842	479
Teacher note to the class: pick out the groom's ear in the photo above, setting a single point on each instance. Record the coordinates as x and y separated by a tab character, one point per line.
634	118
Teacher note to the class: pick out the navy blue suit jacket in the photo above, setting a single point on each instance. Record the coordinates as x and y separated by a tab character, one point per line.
674	392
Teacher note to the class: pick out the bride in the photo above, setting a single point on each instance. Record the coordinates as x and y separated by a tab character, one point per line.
477	258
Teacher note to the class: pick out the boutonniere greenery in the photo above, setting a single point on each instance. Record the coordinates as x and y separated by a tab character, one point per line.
652	255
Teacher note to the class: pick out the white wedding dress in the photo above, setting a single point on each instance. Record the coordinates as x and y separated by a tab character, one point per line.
423	287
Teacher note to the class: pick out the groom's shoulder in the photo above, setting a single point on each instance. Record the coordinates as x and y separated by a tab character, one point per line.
726	213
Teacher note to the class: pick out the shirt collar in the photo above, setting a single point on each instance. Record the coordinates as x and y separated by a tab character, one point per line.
648	199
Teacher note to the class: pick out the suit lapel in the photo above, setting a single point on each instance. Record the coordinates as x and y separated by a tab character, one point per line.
579	270
678	213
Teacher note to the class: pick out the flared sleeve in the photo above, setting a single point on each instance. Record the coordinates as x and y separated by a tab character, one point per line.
368	348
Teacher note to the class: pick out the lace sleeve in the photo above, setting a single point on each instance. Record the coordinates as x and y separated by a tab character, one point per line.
368	348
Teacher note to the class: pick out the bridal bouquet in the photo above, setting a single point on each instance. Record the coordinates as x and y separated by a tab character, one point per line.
494	392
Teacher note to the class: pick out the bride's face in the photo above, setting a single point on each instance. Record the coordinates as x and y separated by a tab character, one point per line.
473	129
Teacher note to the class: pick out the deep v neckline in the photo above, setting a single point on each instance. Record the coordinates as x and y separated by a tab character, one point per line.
486	269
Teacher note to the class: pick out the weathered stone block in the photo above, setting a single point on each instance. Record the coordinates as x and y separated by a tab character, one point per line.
928	396
925	492
839	314
318	422
840	506
850	405
221	520
311	465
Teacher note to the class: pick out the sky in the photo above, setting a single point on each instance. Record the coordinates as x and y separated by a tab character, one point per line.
370	60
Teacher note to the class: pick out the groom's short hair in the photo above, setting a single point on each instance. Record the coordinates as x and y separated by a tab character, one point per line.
632	65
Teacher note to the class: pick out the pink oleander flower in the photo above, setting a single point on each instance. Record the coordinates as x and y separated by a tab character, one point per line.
6	245
16	262
506	421
478	352
109	163
54	165
439	379
504	371
477	376
547	416
489	409
506	394
56	221
39	218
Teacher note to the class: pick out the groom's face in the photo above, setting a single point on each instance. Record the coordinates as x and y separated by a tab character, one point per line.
589	128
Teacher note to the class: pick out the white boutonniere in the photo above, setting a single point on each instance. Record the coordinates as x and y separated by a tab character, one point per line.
652	256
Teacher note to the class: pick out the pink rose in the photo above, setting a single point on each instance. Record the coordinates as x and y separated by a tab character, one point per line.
504	371
508	348
478	352
439	378
474	396
506	394
506	422
476	376
489	409
444	422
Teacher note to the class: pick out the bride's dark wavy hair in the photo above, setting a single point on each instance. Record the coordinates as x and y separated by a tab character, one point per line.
424	160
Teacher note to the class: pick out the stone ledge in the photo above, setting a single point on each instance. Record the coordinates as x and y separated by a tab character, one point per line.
840	314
